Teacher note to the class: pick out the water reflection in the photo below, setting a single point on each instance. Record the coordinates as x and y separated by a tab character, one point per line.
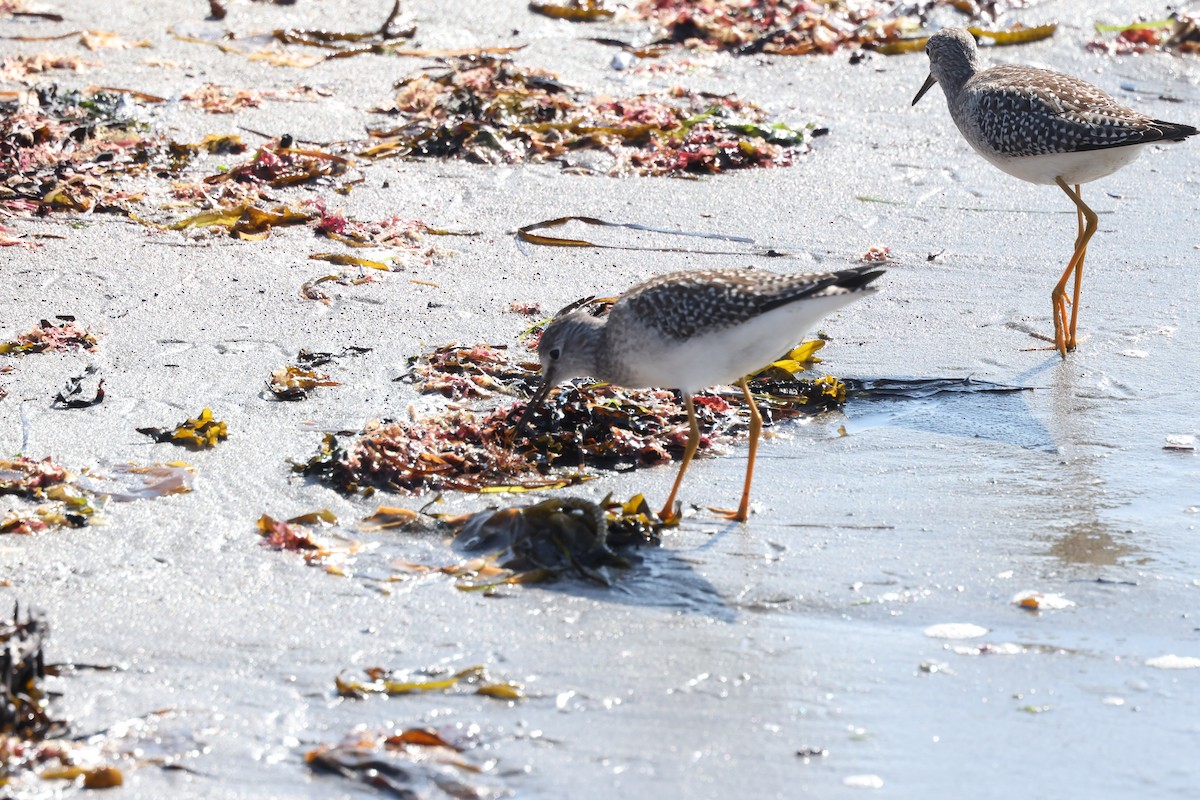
1056	477
1092	542
1080	534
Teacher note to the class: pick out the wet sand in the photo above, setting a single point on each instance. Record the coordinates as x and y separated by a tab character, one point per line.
704	671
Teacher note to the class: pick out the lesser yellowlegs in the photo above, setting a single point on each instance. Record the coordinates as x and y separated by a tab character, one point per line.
695	329
1042	127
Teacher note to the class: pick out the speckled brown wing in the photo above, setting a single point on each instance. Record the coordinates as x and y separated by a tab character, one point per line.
1024	111
680	304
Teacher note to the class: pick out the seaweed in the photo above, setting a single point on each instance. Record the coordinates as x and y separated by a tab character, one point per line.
24	703
29	478
72	395
330	466
279	165
245	221
349	260
42	481
390	38
336	44
213	144
201	433
456	451
609	427
216	99
65	497
295	534
779	27
392	32
296	383
107	40
529	233
559	536
472	680
1180	32
404	234
481	370
388	517
580	426
309	289
17	67
49	336
574	10
513	545
63	151
1017	34
489	110
33	742
412	762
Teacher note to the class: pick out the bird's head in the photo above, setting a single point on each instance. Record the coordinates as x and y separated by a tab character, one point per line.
953	58
568	349
569	346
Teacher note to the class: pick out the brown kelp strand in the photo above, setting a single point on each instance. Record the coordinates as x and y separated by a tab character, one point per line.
472	680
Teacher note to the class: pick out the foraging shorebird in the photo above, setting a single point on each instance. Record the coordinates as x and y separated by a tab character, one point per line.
691	330
1042	127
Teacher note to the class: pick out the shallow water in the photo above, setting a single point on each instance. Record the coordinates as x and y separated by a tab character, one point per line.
732	648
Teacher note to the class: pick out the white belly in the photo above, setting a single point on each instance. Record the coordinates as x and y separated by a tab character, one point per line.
725	356
1073	168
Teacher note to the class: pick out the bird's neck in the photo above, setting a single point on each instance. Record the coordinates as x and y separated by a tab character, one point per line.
953	76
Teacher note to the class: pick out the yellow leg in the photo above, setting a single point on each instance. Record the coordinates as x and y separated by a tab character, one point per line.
693	444
743	512
1079	240
1064	331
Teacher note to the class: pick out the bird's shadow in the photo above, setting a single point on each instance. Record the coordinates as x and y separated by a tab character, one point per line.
664	579
657	577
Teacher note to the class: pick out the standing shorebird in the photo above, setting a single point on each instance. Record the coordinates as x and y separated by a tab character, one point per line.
694	329
1042	127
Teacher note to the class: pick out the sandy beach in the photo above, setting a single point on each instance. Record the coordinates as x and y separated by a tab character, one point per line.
799	655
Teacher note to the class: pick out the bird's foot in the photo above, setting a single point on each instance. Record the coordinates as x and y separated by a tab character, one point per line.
731	515
671	513
1073	340
1066	344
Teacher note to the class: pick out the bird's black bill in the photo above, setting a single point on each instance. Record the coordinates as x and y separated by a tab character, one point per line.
538	398
929	82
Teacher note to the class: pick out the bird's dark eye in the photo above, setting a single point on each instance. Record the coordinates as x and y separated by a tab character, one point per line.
555	353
